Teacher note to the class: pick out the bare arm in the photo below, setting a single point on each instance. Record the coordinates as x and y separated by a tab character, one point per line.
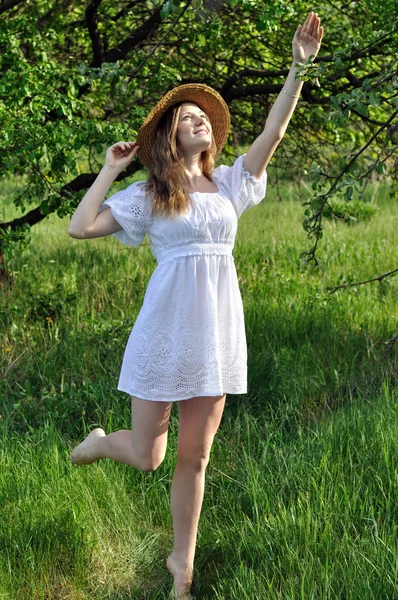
86	214
86	222
306	42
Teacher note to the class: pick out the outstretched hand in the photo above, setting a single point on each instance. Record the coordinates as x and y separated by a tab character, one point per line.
307	39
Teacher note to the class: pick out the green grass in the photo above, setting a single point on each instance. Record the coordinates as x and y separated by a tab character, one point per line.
301	488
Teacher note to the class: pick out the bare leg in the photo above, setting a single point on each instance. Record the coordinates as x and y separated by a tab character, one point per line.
186	502
143	448
199	421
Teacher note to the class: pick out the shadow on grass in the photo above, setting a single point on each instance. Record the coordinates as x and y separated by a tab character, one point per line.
302	365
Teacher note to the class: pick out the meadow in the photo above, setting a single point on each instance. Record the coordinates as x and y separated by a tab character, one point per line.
300	500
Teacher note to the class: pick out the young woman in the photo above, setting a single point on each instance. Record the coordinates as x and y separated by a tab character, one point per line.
188	343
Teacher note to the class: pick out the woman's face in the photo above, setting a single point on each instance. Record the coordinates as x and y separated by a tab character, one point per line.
194	128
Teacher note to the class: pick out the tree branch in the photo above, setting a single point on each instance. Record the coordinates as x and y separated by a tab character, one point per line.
7	4
353	159
91	21
391	342
317	217
160	41
132	41
81	182
120	51
345	285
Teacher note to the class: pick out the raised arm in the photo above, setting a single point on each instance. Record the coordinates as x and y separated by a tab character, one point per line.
86	222
306	42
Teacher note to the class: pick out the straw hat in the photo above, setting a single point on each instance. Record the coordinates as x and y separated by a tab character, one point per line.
205	97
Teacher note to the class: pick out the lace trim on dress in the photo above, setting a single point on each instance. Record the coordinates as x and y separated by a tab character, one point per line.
132	210
176	363
247	174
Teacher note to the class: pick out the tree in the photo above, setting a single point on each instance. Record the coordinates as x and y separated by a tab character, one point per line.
74	79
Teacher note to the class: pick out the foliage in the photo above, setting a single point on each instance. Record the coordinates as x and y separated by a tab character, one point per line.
375	102
351	212
74	82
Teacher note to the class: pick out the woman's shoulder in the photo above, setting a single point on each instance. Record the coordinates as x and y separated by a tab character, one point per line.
223	169
137	188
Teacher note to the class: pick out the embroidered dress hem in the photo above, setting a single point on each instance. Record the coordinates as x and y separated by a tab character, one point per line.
177	398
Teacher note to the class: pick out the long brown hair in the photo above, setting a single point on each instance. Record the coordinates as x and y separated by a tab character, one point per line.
167	181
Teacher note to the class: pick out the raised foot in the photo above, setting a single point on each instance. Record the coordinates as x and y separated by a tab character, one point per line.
85	453
182	579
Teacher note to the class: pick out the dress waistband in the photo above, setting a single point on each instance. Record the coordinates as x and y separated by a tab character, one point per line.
197	248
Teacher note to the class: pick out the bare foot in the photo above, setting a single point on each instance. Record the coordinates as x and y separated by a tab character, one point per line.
182	579
85	453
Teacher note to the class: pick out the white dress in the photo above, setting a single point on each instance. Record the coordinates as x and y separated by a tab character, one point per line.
189	337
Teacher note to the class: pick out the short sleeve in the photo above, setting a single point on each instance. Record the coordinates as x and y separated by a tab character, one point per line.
132	210
243	189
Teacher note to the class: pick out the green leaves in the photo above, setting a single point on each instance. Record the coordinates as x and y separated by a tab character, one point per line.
14	239
348	193
171	6
65	96
272	14
362	109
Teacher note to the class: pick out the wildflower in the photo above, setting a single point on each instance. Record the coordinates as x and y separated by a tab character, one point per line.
8	349
49	319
